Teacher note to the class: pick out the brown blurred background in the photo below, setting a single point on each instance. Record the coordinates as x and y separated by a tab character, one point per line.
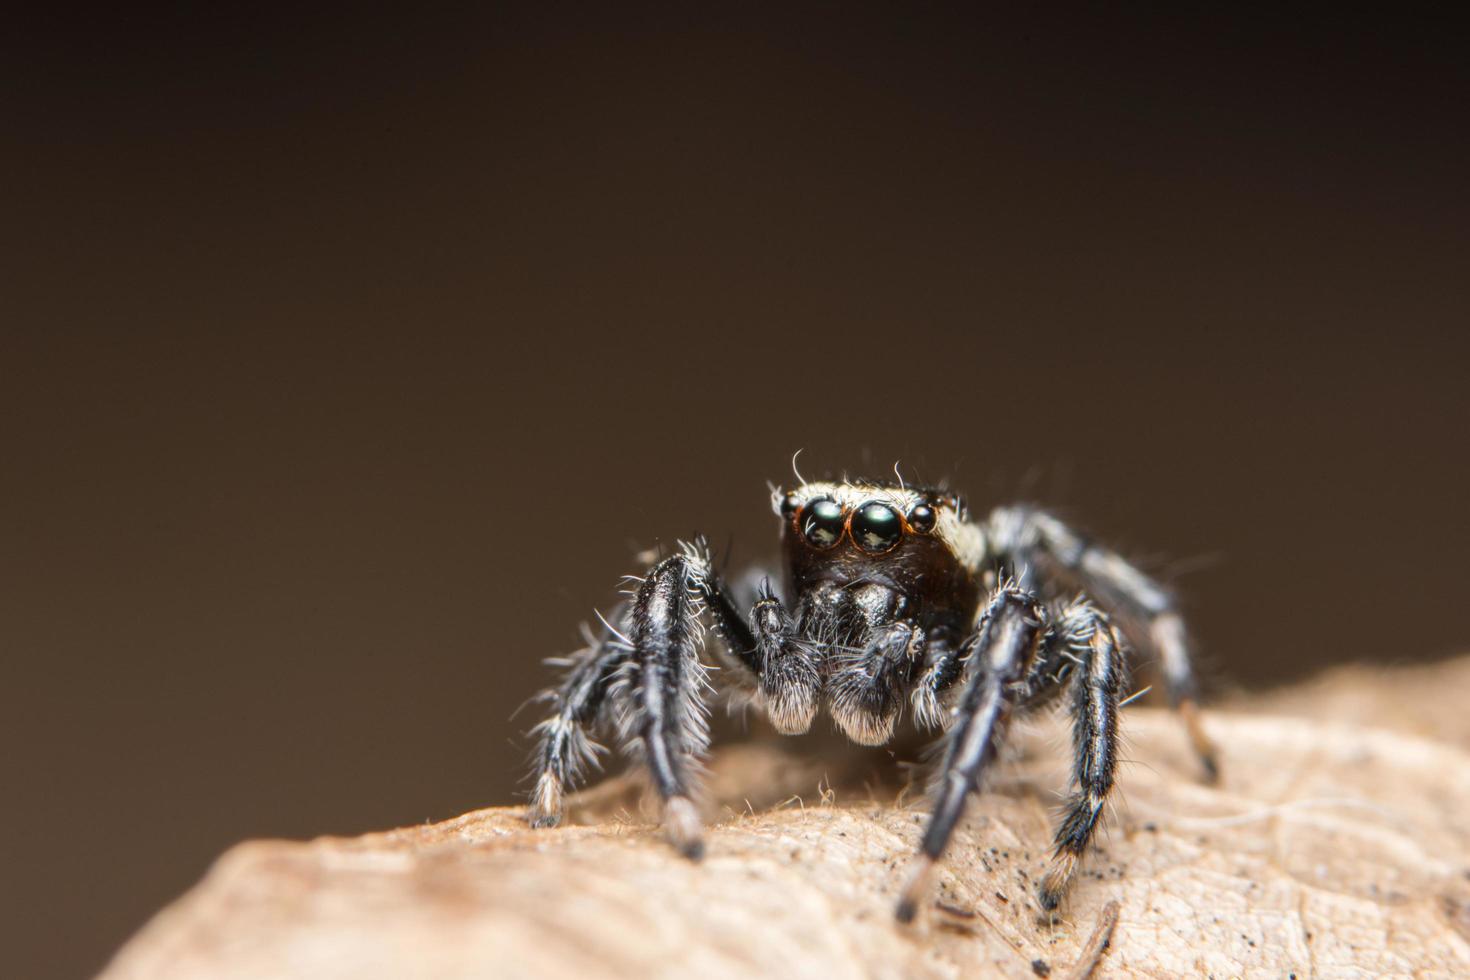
347	360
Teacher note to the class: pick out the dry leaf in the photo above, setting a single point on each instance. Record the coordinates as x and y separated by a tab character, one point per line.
1329	850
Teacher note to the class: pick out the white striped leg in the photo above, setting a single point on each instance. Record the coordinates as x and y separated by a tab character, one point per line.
1029	537
664	714
1085	633
1000	655
564	751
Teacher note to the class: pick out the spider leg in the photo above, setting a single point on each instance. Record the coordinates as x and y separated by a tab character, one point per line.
1084	634
865	693
662	707
739	651
765	657
998	658
648	671
563	750
945	665
1026	535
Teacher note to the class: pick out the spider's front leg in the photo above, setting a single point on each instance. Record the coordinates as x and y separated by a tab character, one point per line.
665	714
1013	658
651	676
998	658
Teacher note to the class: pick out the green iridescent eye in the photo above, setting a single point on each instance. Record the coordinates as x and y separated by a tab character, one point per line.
876	527
821	522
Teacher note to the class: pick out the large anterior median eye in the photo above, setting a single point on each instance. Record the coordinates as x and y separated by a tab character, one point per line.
821	522
876	527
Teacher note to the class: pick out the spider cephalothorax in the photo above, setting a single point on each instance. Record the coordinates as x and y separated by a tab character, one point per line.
893	596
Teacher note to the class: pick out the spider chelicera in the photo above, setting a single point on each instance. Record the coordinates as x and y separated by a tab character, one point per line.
893	595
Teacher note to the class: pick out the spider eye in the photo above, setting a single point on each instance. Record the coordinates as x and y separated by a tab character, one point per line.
788	504
921	518
821	522
876	527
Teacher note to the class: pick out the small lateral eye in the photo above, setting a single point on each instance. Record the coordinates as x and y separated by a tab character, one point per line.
821	522
922	518
876	527
788	504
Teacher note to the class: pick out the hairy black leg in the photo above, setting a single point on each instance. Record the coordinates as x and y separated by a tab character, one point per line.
864	694
945	663
663	703
738	646
1085	635
651	673
765	655
1029	537
563	749
998	657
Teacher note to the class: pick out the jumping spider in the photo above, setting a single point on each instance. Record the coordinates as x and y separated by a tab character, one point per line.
893	594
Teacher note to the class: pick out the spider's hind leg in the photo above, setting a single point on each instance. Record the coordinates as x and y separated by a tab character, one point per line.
1168	634
1027	535
563	749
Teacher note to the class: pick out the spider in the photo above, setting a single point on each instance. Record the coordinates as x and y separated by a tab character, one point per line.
893	596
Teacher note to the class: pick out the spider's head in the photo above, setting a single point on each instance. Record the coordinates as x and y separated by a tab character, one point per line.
913	540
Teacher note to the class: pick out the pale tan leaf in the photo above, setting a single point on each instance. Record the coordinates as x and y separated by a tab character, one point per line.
1330	849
